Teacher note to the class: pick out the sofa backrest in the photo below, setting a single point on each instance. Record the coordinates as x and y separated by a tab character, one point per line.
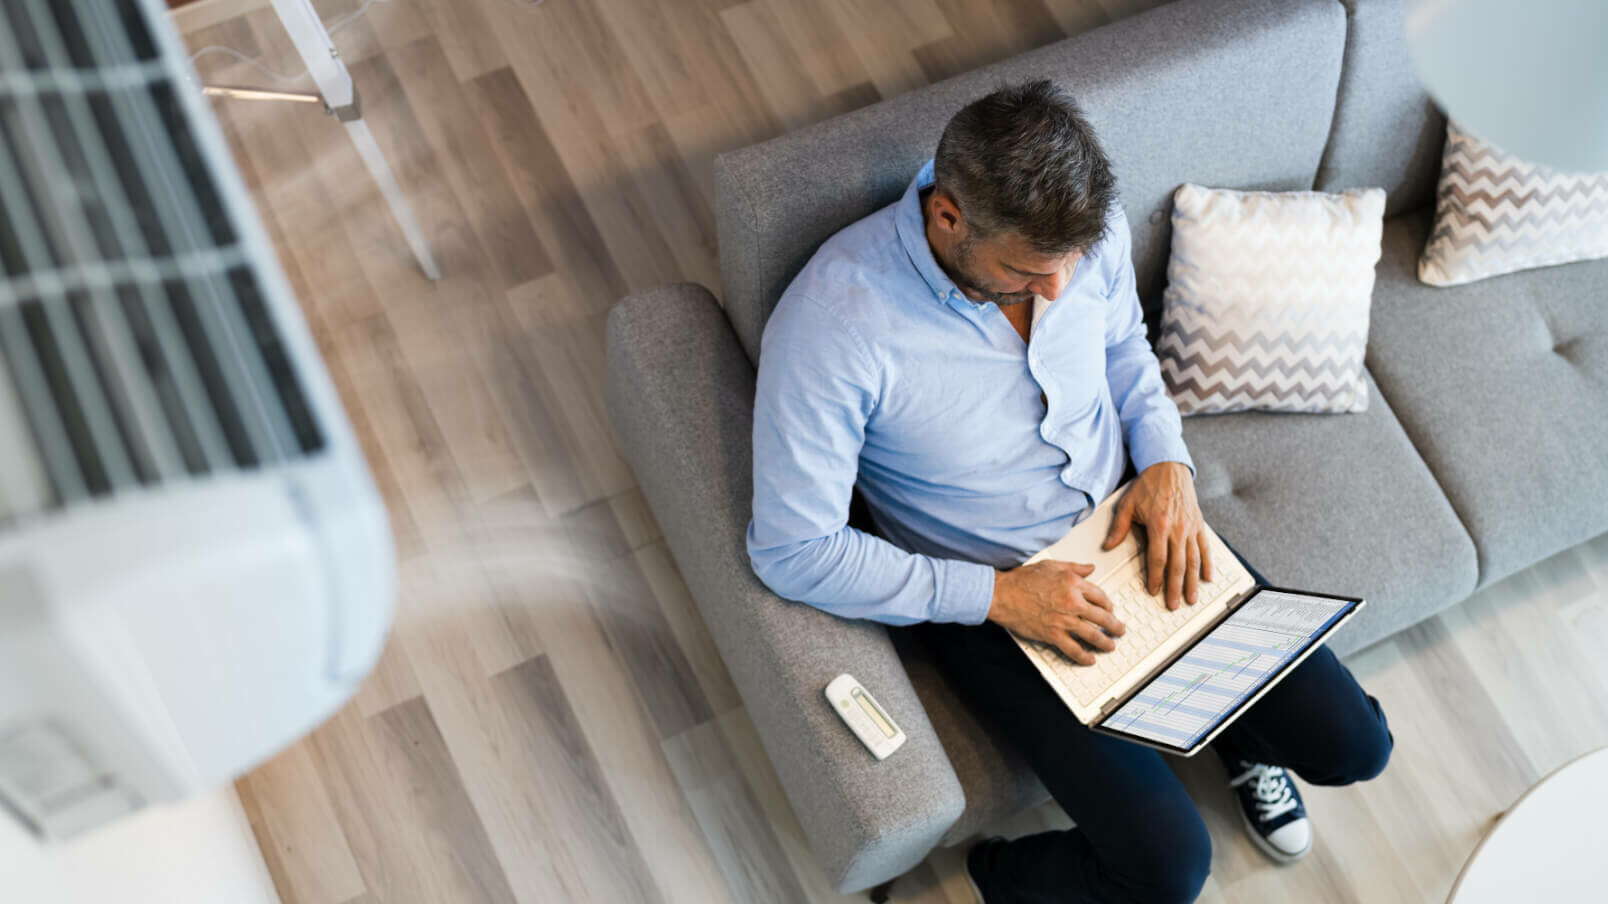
1387	131
1226	93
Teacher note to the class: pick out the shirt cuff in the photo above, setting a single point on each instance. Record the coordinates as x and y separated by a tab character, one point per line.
965	592
1150	445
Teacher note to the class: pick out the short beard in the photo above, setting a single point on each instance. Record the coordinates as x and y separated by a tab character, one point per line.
961	273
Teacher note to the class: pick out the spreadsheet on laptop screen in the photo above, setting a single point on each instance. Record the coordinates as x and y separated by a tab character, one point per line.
1231	663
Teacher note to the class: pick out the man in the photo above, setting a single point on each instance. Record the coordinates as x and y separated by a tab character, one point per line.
974	358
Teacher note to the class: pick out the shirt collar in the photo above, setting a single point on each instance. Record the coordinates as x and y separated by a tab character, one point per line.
912	228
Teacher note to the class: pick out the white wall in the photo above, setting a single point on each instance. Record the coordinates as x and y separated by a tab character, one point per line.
201	850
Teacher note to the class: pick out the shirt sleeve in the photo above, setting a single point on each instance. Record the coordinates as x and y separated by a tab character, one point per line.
817	388
1150	420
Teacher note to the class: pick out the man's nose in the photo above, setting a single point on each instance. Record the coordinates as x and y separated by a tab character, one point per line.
1049	286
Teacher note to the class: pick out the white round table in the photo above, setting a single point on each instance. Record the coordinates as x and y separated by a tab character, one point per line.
1549	845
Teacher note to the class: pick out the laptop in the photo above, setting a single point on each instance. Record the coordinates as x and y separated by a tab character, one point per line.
1177	679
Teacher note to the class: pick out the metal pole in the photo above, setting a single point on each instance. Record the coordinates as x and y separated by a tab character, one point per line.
324	64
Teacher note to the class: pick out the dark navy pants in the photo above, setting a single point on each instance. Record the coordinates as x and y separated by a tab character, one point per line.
1138	836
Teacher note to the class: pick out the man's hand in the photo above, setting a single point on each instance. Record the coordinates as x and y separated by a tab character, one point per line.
1163	500
1051	602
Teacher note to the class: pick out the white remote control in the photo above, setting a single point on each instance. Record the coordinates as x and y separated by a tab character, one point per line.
864	716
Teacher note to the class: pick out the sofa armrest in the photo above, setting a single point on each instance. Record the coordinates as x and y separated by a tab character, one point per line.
681	396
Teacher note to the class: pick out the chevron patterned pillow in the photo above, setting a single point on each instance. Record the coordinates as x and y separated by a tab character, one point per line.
1495	214
1267	299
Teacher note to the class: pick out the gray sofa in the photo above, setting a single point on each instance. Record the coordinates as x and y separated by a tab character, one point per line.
1481	452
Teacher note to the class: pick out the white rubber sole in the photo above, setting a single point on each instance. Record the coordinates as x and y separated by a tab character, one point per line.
1266	846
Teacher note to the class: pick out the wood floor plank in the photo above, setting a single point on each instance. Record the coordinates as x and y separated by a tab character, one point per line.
750	857
294	821
560	474
1438	659
692	636
541	182
619	730
436	339
404	424
550	849
576	50
736	114
776	68
883	34
748	753
398	508
511	545
355	39
1552	722
470	162
391	682
1122	9
466	36
668	186
635	518
453	588
397	23
438	333
630	614
654	35
583	808
981	34
447	225
1438	795
401	805
567	348
1077	16
822	48
464	865
623	218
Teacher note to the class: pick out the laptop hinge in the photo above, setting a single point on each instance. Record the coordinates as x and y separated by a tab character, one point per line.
1109	706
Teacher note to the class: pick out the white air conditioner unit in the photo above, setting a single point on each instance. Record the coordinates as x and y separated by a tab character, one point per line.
195	567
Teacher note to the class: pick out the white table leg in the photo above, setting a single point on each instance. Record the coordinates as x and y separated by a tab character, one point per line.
324	64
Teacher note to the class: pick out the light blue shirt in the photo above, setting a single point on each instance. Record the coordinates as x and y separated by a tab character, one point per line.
875	369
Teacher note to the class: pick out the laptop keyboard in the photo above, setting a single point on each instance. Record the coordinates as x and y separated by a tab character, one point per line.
1148	621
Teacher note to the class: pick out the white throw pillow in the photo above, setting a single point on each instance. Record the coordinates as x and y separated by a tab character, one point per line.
1267	299
1495	214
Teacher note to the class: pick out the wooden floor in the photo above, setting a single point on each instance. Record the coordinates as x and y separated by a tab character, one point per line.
550	722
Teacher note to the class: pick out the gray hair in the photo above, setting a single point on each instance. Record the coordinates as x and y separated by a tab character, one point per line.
1024	159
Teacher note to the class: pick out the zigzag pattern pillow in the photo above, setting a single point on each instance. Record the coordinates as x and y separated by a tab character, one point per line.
1495	214
1267	299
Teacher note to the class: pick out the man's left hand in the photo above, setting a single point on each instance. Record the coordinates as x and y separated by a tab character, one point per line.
1162	499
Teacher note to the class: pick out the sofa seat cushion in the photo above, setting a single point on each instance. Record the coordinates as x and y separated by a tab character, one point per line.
1502	385
1337	503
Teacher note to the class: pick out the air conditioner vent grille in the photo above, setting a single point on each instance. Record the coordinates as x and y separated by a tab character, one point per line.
136	342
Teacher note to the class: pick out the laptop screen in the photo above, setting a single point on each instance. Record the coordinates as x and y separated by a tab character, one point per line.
1227	666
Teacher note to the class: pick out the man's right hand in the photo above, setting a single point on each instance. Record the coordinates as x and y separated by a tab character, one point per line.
1053	603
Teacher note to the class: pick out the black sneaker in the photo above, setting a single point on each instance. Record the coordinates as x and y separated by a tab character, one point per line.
977	864
1272	811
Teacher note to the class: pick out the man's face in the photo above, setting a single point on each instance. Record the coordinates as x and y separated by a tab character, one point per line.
1006	270
1003	267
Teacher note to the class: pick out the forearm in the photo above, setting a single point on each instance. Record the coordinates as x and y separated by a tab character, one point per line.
855	575
1150	421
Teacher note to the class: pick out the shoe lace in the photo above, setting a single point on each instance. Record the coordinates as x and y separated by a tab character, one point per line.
1272	789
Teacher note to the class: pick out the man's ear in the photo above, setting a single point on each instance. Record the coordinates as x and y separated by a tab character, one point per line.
946	214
